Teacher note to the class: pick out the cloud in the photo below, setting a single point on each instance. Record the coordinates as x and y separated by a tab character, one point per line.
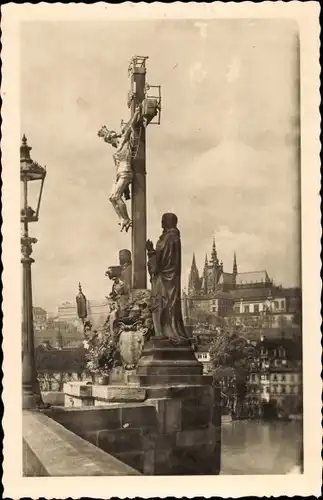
203	28
234	175
233	70
197	73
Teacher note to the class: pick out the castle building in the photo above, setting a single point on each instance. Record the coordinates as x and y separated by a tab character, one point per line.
214	278
246	298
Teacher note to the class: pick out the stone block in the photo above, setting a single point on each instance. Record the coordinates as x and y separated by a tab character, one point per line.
202	394
76	402
87	419
120	440
196	437
91	436
80	389
149	467
142	416
194	416
53	398
165	368
149	381
134	459
216	408
123	377
160	406
118	393
198	460
173	412
149	439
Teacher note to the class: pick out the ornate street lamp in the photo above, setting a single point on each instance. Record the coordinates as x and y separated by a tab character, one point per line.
81	305
31	175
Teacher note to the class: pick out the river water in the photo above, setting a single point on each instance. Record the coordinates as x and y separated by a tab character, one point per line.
255	447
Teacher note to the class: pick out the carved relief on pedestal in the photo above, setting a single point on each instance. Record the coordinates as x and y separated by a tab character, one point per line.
130	319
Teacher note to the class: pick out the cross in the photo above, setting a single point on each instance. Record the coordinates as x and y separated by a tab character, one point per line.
136	96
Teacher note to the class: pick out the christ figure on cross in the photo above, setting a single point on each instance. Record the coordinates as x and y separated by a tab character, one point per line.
124	143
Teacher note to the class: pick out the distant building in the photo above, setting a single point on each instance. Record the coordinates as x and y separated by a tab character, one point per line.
203	356
248	300
97	312
39	317
213	277
67	313
58	333
276	374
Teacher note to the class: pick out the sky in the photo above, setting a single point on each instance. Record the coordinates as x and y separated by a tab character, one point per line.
225	158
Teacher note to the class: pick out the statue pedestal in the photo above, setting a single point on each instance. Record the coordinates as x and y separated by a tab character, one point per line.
163	363
163	418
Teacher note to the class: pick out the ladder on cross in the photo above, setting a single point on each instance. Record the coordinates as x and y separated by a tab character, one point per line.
135	142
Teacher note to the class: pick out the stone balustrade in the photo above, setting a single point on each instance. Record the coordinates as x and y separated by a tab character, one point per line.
178	431
49	449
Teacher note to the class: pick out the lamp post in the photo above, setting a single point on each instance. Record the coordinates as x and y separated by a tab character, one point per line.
31	174
81	305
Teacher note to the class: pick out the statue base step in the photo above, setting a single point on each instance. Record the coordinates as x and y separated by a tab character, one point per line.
85	394
163	362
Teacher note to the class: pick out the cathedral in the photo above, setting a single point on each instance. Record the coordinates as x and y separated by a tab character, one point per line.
217	293
214	279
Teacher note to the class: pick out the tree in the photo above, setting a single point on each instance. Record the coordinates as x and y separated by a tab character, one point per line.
79	356
229	350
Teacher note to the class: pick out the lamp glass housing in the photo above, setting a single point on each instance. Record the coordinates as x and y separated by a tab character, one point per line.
32	177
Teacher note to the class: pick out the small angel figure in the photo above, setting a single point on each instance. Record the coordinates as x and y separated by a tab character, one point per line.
122	159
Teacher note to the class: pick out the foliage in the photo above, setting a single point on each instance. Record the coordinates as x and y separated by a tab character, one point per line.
102	352
228	349
46	380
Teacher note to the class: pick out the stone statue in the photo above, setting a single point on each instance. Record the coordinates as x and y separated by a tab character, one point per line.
164	266
114	274
123	142
121	275
129	320
126	268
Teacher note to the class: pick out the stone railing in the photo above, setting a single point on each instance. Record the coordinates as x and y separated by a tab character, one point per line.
49	449
174	431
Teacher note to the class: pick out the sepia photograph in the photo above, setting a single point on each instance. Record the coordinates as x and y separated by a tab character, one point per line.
161	246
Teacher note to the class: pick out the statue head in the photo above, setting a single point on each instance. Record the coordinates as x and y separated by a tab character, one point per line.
109	136
113	272
124	257
169	221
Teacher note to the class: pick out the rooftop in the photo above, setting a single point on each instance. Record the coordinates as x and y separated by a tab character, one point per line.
226	279
253	293
252	277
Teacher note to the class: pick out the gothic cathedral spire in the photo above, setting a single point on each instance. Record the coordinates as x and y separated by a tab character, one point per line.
193	280
235	267
214	256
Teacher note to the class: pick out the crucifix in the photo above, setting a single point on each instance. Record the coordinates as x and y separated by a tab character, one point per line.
130	162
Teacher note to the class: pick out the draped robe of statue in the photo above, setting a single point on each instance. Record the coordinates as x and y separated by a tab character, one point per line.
164	265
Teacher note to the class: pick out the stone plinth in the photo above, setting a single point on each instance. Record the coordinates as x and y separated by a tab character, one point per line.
165	420
189	430
81	395
119	376
178	432
106	393
164	363
78	394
